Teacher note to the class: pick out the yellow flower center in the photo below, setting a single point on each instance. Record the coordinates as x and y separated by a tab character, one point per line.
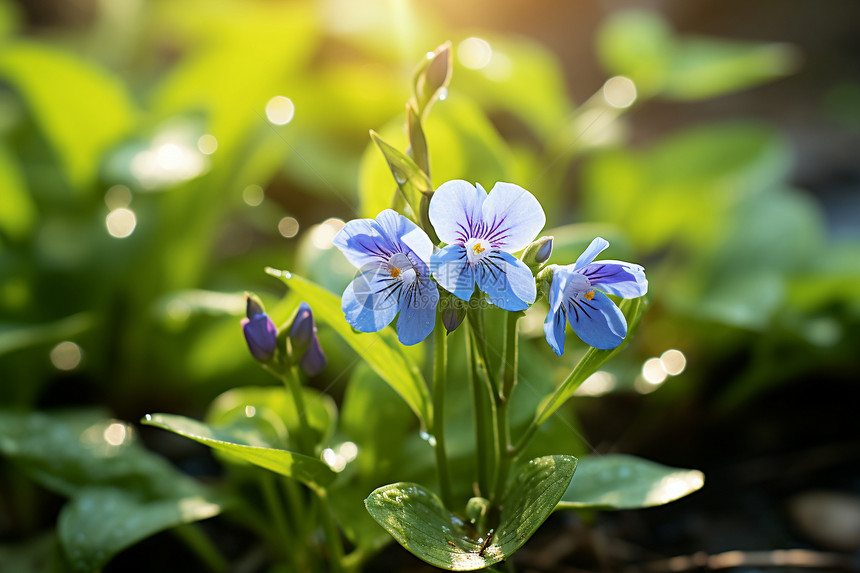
395	272
478	248
589	295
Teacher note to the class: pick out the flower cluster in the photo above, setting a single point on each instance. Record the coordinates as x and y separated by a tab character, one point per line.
302	346
400	268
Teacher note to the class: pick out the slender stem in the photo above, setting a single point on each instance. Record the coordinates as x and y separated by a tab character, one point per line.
524	440
440	365
200	543
509	379
294	385
485	460
330	531
276	511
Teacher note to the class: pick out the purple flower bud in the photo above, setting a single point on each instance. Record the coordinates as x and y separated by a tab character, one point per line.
261	336
304	343
544	251
452	317
314	360
303	328
537	253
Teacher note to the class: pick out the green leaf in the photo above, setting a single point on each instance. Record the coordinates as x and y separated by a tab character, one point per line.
266	415
306	469
381	350
593	359
416	518
618	481
100	522
708	67
411	180
641	45
17	336
19	212
81	109
69	451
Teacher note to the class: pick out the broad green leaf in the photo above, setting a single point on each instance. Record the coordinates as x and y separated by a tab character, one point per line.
17	336
19	212
100	522
593	359
709	67
380	350
618	481
81	109
69	451
308	470
416	518
638	44
266	415
641	45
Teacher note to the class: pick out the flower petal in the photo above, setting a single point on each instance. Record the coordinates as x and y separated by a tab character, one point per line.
362	243
514	217
595	248
454	209
553	328
371	301
617	277
452	272
508	282
418	313
598	322
399	229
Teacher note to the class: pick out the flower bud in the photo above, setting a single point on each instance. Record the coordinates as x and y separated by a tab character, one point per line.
304	345
259	330
537	253
543	281
453	313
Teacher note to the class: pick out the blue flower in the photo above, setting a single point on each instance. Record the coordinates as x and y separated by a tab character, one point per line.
304	342
259	330
574	297
391	253
481	231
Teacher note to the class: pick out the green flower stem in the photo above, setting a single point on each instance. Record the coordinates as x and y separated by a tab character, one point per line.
485	455
440	367
294	385
330	532
208	552
276	511
508	380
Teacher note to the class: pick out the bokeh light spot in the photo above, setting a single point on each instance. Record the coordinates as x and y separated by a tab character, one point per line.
619	92
653	371
121	222
118	196
323	234
253	195
207	144
673	361
474	53
66	355
288	227
115	434
597	384
280	110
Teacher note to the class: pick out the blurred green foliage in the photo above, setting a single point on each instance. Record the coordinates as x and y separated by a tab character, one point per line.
116	116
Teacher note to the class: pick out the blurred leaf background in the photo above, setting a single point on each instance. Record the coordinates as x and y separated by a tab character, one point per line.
156	156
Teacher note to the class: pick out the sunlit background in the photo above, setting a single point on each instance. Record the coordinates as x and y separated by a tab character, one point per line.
156	156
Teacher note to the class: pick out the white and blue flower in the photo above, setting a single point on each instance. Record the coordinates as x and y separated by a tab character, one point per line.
481	231
391	253
576	296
